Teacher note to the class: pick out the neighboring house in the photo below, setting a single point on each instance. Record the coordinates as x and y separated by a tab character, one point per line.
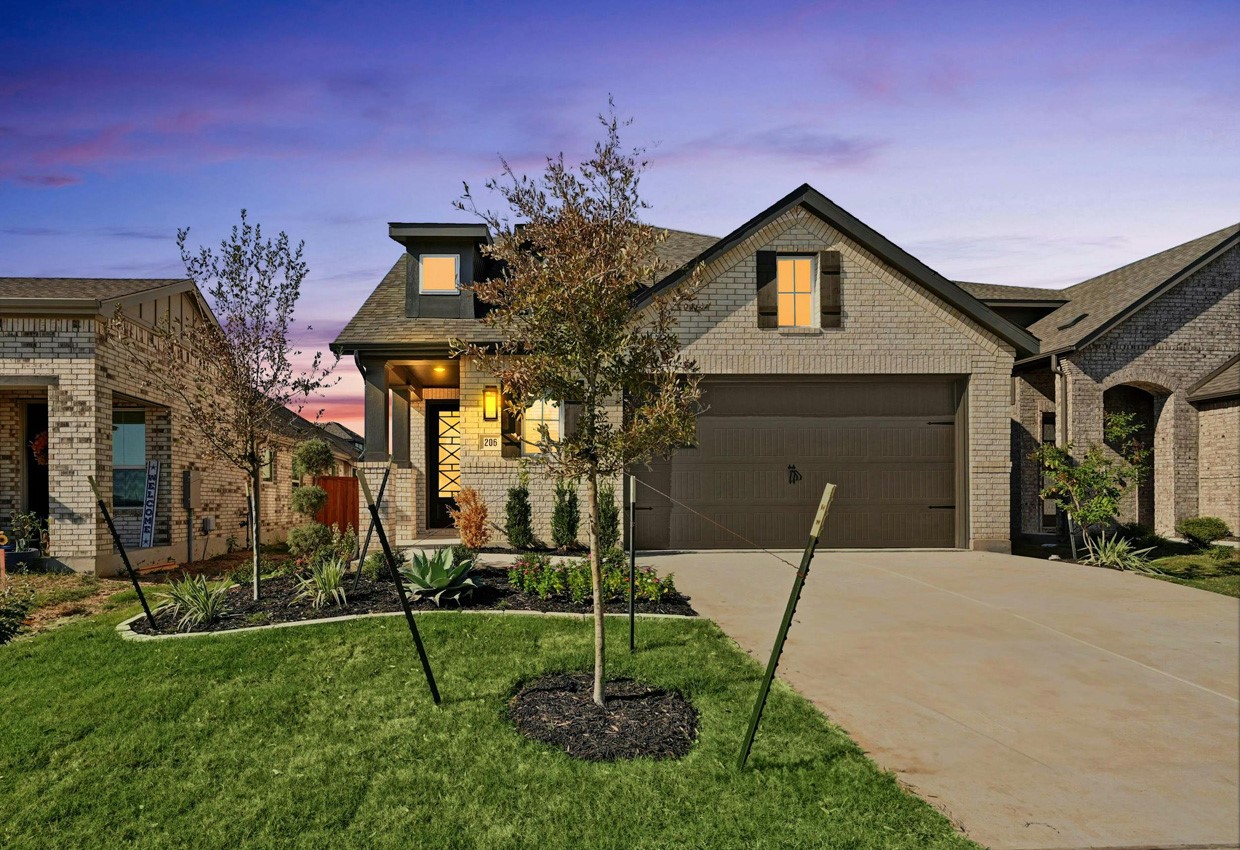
1159	338
347	434
828	354
68	387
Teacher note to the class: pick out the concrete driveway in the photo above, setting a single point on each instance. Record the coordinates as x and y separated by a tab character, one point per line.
1038	704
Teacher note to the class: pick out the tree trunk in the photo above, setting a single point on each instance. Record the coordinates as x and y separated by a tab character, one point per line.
256	531
596	578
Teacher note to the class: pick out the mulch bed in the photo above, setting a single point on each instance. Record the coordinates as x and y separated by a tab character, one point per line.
277	604
640	721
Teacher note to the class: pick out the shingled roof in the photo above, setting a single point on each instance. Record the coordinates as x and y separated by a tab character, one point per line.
1222	383
1096	305
1000	292
80	289
381	320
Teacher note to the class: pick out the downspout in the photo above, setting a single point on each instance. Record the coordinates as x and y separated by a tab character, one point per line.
1061	426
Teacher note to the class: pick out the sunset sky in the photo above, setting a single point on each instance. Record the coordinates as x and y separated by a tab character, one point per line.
1037	144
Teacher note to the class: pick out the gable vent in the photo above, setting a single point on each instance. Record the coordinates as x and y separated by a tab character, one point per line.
1075	320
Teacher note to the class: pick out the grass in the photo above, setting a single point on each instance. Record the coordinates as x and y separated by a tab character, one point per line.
325	736
1200	570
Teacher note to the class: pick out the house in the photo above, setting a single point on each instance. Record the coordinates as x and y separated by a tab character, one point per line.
72	404
831	354
1158	338
347	434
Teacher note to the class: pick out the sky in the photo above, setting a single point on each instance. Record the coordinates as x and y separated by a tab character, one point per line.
1022	143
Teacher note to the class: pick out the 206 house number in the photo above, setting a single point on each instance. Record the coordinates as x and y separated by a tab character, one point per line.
489	444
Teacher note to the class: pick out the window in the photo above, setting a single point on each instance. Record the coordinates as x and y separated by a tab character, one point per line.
1050	511
269	465
795	281
536	415
128	458
439	274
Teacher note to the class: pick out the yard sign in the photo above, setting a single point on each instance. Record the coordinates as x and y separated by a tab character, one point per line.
148	504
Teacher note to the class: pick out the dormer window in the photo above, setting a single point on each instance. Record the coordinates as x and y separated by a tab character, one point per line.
439	274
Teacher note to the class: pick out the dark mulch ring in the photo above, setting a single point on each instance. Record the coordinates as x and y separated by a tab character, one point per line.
640	721
278	605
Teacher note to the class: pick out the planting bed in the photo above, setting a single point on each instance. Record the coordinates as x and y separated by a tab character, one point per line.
640	721
494	592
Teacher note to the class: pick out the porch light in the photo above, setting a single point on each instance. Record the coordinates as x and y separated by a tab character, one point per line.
490	404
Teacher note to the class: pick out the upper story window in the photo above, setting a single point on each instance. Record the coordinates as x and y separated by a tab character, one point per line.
538	414
439	274
795	281
128	458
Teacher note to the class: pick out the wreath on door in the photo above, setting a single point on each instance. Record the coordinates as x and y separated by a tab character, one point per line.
38	448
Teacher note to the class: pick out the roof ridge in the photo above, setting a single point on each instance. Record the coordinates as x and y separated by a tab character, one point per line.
1221	232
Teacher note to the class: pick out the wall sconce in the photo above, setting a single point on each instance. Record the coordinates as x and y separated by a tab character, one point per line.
490	404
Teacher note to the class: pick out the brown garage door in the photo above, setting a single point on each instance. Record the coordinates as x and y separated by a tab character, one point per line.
766	448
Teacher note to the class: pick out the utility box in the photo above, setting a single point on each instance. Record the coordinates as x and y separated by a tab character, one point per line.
191	489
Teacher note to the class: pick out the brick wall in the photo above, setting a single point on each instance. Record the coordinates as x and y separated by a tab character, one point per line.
1219	457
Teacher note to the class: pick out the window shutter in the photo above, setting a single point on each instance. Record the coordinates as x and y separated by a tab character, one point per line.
768	291
510	427
572	417
829	288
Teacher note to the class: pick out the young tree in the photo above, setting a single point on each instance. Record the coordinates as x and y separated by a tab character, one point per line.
1090	488
564	307
233	375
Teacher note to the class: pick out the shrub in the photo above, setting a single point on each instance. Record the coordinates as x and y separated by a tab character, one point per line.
325	583
1119	554
470	519
1201	531
518	518
342	546
375	568
193	602
537	575
608	518
461	552
1222	554
565	516
308	500
437	577
14	608
313	457
304	541
27	530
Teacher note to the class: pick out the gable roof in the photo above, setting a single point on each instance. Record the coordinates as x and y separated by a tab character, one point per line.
78	294
895	256
1098	304
1222	383
336	429
1001	292
380	323
298	427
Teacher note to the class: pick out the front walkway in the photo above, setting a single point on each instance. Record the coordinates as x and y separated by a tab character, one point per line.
1039	704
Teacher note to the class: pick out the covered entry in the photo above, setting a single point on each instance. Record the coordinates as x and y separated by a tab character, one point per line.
768	444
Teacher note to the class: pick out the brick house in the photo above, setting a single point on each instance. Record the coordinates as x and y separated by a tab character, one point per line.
65	380
1159	338
828	354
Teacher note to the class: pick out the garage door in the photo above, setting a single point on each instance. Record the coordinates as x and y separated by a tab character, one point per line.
766	447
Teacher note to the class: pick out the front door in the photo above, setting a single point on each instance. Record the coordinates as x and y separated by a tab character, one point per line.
443	460
36	463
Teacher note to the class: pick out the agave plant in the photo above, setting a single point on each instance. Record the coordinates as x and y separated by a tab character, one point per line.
193	602
437	577
1118	553
325	583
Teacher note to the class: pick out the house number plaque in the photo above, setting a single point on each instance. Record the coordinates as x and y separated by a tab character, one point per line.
488	444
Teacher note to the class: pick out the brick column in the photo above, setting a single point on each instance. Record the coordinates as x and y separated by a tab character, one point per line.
1175	462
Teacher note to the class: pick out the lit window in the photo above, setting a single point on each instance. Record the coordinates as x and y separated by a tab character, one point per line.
795	276
538	414
128	458
269	465
439	274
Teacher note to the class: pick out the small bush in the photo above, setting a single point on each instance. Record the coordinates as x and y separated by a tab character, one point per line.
325	583
537	575
1222	554
470	519
608	518
1119	554
313	457
437	577
305	541
565	516
342	546
14	608
375	568
193	602
1201	531
518	518
308	500
27	529
461	552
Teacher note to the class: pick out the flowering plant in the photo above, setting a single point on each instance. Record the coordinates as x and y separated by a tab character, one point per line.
38	447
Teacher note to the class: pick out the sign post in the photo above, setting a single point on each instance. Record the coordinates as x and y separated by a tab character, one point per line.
400	587
828	493
116	538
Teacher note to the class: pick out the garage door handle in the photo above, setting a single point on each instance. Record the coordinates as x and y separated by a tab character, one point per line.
942	507
943	422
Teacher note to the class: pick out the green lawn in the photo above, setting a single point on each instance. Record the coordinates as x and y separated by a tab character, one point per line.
324	736
1199	569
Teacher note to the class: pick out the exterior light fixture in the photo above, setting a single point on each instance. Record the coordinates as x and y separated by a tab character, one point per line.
439	370
490	404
